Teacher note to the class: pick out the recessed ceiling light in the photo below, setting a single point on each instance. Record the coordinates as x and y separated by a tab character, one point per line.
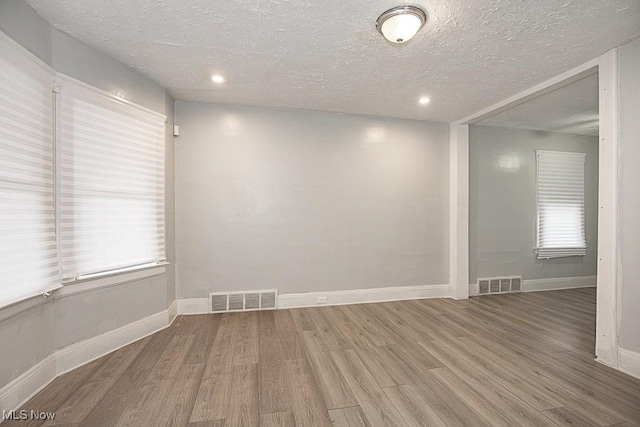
424	100
401	23
217	78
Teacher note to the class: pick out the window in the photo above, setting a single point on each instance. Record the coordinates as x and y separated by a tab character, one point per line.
81	179
560	204
28	260
111	198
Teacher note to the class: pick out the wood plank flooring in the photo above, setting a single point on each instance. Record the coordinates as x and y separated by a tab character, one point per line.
507	360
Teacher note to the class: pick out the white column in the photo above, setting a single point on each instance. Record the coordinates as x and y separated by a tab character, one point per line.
608	296
459	211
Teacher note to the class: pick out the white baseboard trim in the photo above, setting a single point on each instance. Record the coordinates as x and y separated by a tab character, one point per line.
193	306
555	284
172	311
474	289
360	296
629	362
23	388
534	285
83	352
310	299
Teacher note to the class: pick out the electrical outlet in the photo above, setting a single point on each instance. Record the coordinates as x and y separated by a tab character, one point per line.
322	300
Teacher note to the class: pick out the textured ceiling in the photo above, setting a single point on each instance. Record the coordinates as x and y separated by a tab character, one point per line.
570	109
326	54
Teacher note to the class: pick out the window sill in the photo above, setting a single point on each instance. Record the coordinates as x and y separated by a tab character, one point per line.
110	279
555	253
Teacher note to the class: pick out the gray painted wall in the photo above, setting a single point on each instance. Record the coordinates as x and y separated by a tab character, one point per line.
24	25
29	335
304	201
502	208
85	315
36	332
170	199
82	62
27	338
629	209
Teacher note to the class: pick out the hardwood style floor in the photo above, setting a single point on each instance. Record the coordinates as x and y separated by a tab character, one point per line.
519	359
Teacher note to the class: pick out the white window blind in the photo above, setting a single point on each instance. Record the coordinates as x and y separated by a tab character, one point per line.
111	199
28	261
560	203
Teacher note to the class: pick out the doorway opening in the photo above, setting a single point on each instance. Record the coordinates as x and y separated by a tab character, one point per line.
607	291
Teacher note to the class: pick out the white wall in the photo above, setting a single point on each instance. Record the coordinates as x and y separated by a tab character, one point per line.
32	330
502	209
304	201
629	207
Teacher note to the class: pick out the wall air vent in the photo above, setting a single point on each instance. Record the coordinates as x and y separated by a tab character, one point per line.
236	302
218	303
268	299
499	285
494	286
483	286
221	302
252	301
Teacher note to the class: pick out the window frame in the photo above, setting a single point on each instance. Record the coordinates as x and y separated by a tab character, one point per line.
63	80
112	277
558	251
29	64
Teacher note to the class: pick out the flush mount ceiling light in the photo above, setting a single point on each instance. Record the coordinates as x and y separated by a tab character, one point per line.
217	78
424	100
401	23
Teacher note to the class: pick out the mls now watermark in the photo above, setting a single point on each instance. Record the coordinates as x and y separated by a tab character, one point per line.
24	415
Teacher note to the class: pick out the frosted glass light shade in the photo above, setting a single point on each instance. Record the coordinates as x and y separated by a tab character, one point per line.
401	23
